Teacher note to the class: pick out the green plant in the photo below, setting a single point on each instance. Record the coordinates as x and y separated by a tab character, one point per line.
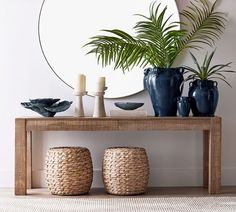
158	42
207	72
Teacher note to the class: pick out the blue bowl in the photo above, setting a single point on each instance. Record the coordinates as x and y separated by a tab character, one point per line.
128	105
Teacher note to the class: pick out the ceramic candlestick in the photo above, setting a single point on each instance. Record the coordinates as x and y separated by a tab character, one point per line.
79	108
99	108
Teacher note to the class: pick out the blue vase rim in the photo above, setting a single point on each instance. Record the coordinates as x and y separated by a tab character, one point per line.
203	82
166	69
183	98
206	80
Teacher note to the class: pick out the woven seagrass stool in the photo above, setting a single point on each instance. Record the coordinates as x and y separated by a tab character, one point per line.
125	170
69	170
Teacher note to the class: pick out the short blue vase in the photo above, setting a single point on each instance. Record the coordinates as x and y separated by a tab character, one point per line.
204	97
183	106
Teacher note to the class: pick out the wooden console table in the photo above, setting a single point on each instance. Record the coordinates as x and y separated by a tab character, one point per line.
211	127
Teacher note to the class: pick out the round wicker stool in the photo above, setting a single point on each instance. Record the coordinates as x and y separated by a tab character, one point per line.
125	170
69	170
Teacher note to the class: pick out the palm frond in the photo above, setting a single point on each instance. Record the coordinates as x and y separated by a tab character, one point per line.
158	40
157	32
205	24
121	49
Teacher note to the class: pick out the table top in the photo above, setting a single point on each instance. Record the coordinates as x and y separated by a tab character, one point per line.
69	123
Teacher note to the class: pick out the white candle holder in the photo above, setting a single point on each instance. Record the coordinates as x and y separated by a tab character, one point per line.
79	108
99	108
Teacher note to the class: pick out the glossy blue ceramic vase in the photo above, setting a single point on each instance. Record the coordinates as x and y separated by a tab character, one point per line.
164	86
204	97
183	106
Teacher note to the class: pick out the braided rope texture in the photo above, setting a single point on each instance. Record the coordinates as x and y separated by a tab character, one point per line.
69	170
125	170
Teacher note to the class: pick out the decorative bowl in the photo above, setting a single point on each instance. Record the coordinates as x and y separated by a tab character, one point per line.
128	105
45	101
47	107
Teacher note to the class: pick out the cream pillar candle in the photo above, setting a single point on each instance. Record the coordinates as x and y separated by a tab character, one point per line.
100	84
80	84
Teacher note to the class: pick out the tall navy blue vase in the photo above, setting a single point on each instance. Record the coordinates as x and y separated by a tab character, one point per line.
164	86
204	96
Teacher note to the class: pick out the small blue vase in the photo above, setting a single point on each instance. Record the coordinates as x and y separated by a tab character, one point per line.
204	96
183	106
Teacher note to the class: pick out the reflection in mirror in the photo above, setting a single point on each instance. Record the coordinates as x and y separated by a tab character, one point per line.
66	25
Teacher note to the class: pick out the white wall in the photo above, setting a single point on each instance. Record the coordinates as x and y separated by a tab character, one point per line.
175	157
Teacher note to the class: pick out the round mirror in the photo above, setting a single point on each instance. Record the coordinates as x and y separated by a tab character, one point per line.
65	26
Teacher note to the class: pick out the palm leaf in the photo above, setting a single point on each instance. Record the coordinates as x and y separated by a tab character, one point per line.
158	41
164	37
205	24
119	49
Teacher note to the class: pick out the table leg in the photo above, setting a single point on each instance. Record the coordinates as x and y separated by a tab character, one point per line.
206	137
20	157
29	159
215	157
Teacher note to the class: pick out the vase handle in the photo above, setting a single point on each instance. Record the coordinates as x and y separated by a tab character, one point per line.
182	70
146	71
145	79
181	87
215	83
182	83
